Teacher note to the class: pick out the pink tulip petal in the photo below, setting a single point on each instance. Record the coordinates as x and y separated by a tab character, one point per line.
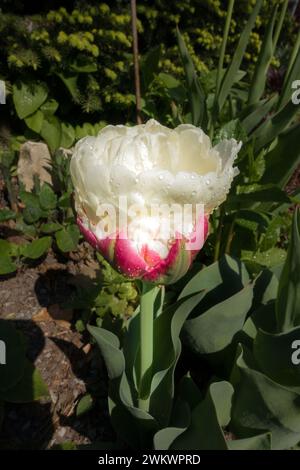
127	260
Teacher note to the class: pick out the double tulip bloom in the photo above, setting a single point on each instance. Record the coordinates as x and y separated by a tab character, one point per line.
149	165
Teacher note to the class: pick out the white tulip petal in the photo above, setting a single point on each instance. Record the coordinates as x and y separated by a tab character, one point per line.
151	163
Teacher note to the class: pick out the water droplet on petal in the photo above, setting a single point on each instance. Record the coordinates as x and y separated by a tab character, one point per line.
207	182
161	177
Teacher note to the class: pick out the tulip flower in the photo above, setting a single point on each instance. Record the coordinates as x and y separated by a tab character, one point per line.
149	164
124	173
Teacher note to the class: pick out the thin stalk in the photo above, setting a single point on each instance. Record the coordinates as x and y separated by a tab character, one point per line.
136	62
146	345
230	236
223	46
280	24
219	234
292	59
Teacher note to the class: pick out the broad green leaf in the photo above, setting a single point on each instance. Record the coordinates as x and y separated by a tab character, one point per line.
67	238
263	61
28	97
288	300
195	89
37	248
4	247
282	161
29	388
262	404
51	131
220	280
84	405
205	432
47	197
109	346
272	257
7	266
49	107
12	371
35	121
273	353
164	438
215	329
235	64
6	214
166	353
67	135
50	227
32	212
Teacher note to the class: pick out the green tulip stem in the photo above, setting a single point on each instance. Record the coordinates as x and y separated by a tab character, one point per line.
146	345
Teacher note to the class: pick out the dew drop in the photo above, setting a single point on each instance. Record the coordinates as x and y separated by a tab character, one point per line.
207	182
161	177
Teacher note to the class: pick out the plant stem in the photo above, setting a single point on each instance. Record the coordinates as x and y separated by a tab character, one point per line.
136	62
223	47
146	345
230	236
219	234
280	23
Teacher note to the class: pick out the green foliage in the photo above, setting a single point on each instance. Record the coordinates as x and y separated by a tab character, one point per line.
20	381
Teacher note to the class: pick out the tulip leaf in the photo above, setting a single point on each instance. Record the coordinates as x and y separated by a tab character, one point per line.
271	128
215	329
282	160
273	353
195	89
288	301
262	404
232	70
205	431
220	280
109	347
257	113
263	61
166	353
